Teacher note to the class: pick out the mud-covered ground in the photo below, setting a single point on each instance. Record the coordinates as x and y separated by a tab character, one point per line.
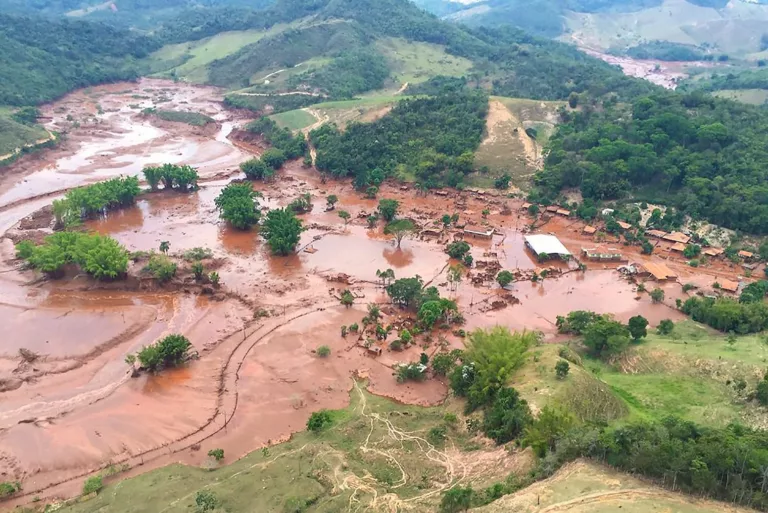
71	407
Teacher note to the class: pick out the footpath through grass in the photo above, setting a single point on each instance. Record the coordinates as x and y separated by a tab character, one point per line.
375	455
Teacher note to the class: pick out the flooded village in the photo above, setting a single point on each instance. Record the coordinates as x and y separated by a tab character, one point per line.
70	403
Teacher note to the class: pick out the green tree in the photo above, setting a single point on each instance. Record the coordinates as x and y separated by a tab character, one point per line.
533	210
165	246
401	228
507	416
388	209
504	278
371	192
637	327
205	500
198	271
273	158
323	351
332	199
457	249
561	369
761	394
256	169
345	216
217	454
406	292
457	499
605	337
657	295
542	435
494	355
665	327
502	182
238	205
446	219
152	175
692	251
282	231
214	278
319	420
171	351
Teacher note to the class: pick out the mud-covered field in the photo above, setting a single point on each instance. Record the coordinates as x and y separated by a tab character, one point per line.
70	406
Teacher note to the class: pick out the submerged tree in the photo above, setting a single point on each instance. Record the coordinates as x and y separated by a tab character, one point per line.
401	229
282	231
238	205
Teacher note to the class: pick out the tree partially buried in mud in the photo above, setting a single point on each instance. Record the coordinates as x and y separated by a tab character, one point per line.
100	256
171	351
238	205
282	231
400	228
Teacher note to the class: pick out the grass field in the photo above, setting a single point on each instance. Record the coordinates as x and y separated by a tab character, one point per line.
340	112
294	119
751	96
507	148
189	60
15	135
583	487
376	450
414	62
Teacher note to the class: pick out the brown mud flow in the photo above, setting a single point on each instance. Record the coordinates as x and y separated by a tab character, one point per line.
69	405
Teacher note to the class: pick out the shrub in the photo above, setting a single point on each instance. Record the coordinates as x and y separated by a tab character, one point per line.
413	371
443	363
93	484
161	268
25	249
504	278
7	489
216	454
323	351
198	271
273	158
347	299
388	209
171	351
214	278
256	169
657	295
507	416
319	420
194	254
205	501
437	435
665	327
101	257
457	499
637	327
561	369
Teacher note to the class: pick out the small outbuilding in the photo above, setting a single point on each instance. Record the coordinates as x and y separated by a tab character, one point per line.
659	271
729	286
563	212
486	232
549	245
602	254
623	225
678	246
589	230
746	255
713	252
677	237
658	234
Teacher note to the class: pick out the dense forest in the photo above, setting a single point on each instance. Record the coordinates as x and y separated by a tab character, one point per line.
705	156
42	59
429	139
744	79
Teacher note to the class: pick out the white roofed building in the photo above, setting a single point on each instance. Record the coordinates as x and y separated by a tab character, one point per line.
549	245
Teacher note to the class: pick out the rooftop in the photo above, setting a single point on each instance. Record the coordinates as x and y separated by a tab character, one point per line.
549	244
656	233
677	237
659	271
624	226
729	286
678	246
746	254
590	229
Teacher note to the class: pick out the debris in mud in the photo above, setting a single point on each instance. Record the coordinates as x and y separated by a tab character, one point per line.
28	356
39	219
340	278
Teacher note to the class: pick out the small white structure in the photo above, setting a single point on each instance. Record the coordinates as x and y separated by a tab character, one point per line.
546	244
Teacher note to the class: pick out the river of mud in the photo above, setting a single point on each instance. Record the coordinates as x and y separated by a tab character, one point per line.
70	406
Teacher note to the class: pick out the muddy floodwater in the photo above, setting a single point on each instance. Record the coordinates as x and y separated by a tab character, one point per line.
69	405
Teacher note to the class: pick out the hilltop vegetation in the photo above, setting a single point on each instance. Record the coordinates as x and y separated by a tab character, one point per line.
41	59
705	156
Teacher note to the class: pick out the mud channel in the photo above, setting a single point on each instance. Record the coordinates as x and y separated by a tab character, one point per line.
72	407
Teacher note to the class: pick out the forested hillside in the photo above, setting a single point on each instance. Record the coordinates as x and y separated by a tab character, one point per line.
42	59
706	156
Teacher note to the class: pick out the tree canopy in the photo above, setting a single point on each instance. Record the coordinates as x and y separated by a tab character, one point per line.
282	231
